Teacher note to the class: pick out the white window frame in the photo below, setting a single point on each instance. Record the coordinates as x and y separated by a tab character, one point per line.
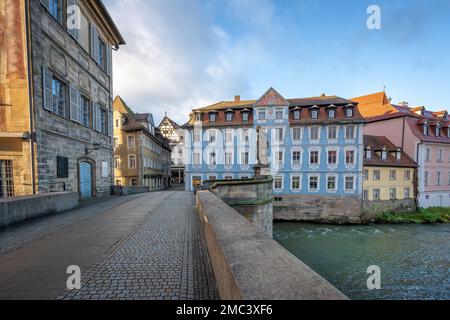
353	189
275	183
299	183
133	145
129	161
318	182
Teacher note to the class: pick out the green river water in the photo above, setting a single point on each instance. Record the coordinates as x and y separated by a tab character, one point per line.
414	259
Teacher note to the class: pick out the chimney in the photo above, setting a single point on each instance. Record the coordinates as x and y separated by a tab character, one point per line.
237	98
404	104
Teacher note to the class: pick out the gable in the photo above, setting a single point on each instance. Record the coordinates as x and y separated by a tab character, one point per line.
271	98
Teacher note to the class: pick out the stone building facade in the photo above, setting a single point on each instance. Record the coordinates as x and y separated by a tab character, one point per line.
66	96
141	153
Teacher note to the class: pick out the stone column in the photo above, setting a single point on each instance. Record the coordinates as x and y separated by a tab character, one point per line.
14	41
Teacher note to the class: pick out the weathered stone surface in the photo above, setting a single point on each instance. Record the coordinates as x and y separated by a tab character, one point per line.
15	210
371	209
320	209
248	265
126	190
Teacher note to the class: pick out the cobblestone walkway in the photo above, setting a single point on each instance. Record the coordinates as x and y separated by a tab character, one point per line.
164	258
16	236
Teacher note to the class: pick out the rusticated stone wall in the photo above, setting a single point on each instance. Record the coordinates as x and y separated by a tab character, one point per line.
319	209
372	209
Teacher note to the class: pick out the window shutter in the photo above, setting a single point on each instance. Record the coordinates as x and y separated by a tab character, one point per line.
47	98
108	60
74	104
94	116
110	123
94	43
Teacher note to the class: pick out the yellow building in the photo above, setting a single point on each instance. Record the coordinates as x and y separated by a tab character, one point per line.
389	177
141	154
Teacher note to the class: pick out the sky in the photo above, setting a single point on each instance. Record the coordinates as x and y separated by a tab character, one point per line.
186	54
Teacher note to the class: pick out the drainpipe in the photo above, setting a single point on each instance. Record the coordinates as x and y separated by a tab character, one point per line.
416	182
30	93
403	132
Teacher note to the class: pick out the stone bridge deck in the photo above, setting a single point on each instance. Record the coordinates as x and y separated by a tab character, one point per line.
138	247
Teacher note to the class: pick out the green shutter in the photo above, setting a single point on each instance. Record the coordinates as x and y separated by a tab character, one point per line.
47	98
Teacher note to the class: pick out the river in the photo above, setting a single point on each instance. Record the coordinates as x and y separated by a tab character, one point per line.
414	259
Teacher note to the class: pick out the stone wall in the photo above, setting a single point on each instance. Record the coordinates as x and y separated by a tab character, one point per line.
19	209
126	190
372	209
319	209
247	265
251	198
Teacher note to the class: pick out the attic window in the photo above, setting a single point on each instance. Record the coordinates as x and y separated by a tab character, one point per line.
229	116
369	153
296	114
245	115
332	113
398	155
384	154
426	130
349	112
212	117
314	114
438	131
197	117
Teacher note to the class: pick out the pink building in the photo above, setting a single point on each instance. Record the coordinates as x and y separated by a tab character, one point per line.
422	134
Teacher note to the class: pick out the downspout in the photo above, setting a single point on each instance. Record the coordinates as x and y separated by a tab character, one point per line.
30	93
416	179
403	132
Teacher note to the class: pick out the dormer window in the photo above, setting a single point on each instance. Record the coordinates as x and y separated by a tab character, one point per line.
384	154
349	112
297	114
426	129
398	154
448	132
198	117
212	117
314	114
438	131
369	153
245	116
229	116
331	113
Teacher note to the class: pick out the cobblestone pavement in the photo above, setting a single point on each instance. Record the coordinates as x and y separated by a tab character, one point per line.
17	236
164	258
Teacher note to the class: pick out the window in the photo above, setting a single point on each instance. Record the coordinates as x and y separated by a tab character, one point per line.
428	155
278	199
407	193
296	134
245	116
392	194
101	54
313	183
350	157
117	123
296	158
103	121
261	114
228	158
297	114
438	131
55	8
332	132
314	157
133	181
279	158
198	117
349	132
228	177
295	183
426	130
332	157
376	175
212	178
212	159
349	183
369	154
229	117
212	117
131	141
279	114
131	161
314	133
116	142
331	113
62	167
278	183
228	135
366	175
427	178
212	135
244	158
119	182
366	195
331	183
392	175
59	97
86	112
384	155
196	158
407	175
279	134
245	135
349	112
314	114
116	162
439	178
440	155
376	194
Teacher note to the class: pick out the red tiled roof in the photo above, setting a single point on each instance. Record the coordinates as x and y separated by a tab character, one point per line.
377	143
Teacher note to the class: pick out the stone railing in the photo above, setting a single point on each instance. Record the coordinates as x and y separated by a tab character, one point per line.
252	198
19	209
126	190
249	265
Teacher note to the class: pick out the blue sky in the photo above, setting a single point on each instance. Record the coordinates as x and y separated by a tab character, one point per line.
184	54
